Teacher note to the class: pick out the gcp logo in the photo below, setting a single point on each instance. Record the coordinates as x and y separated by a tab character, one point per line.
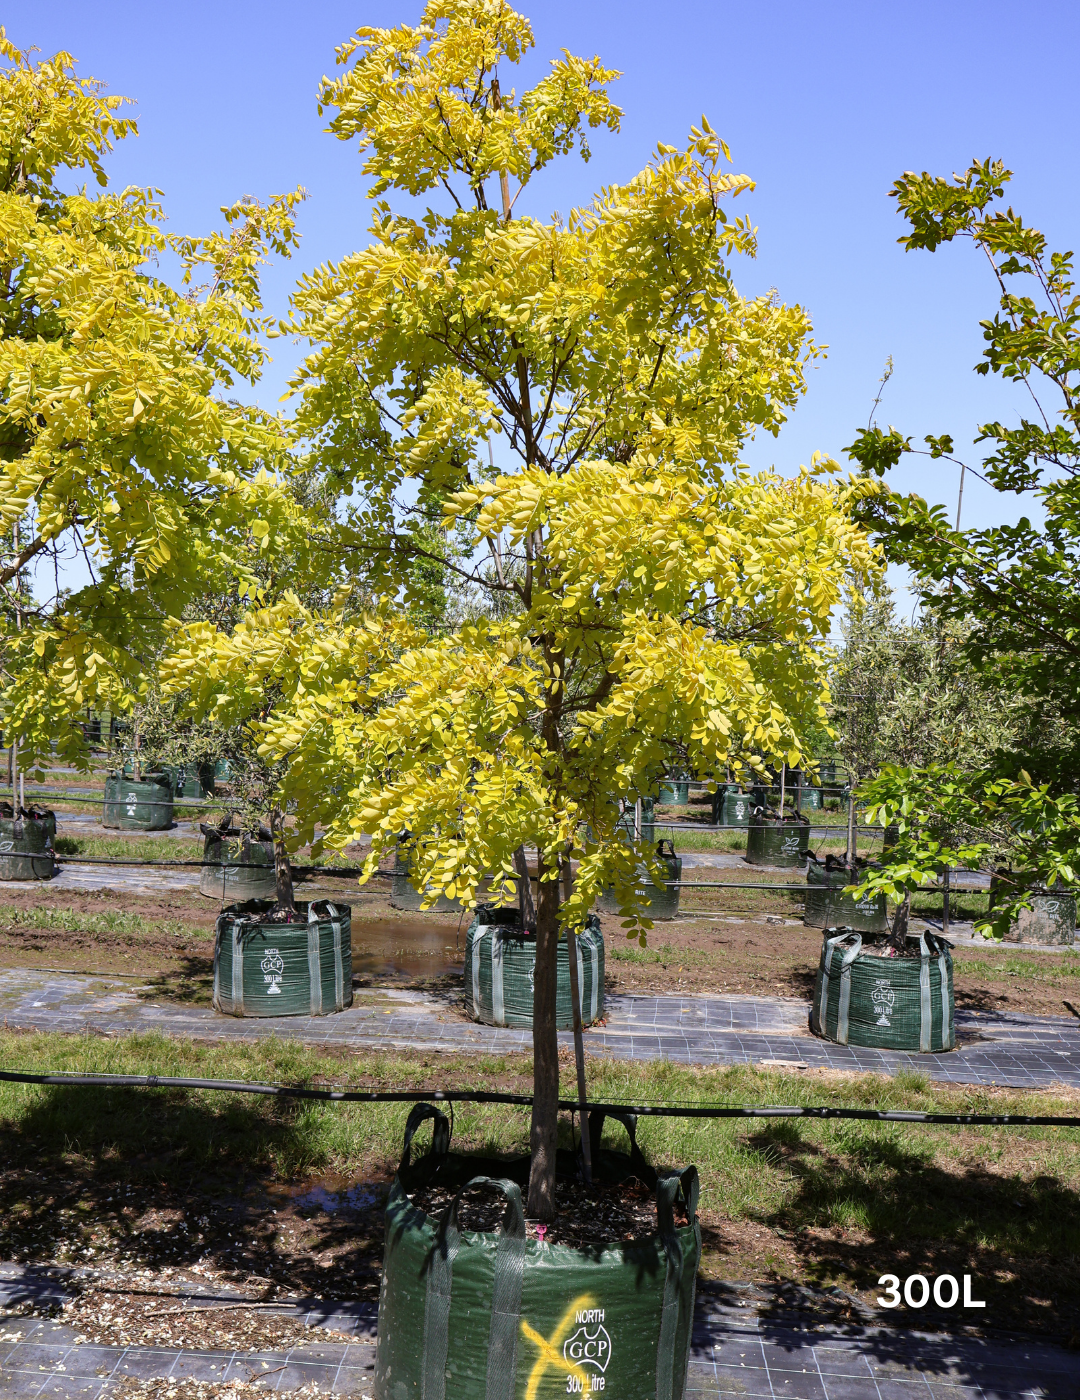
588	1348
883	998
272	967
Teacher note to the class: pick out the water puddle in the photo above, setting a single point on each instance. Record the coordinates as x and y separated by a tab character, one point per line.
333	1194
406	947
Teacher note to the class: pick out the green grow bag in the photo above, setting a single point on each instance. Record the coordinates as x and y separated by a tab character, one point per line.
899	1003
1051	920
731	806
826	907
653	900
26	845
675	791
146	805
771	840
404	896
648	820
278	969
496	1315
238	865
809	799
45	815
499	966
196	781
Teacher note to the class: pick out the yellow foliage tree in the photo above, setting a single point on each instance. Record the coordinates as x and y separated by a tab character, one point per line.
117	442
638	596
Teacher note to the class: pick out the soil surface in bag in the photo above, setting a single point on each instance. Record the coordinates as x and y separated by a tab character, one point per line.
587	1215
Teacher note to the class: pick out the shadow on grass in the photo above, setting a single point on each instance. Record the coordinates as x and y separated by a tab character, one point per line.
158	1179
885	1208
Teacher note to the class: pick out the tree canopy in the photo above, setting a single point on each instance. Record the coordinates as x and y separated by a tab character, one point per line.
1010	592
120	450
642	599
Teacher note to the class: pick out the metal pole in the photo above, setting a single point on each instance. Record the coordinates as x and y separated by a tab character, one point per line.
579	1042
783	775
637	820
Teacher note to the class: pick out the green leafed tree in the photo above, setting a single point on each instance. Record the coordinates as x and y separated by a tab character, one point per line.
124	461
575	394
1008	594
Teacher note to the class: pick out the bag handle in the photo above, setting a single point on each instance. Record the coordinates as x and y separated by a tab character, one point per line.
642	1169
440	1136
668	1189
513	1221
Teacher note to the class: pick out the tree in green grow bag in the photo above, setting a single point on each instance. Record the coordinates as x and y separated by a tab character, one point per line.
829	905
889	994
637	598
473	1315
237	864
500	963
26	843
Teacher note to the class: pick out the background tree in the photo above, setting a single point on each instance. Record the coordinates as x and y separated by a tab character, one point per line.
662	598
120	454
1010	593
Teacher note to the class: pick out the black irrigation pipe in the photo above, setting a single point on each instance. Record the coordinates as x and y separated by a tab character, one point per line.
288	1091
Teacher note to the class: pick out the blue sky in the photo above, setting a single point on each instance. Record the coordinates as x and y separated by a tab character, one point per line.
823	104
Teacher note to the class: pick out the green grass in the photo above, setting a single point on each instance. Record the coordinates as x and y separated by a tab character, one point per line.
110	921
1060	968
161	848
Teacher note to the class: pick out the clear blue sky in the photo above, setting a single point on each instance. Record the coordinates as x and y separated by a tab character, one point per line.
824	104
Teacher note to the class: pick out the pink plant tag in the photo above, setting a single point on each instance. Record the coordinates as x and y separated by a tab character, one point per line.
541	1231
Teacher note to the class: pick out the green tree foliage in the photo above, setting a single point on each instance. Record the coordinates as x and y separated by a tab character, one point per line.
118	443
649	599
1010	594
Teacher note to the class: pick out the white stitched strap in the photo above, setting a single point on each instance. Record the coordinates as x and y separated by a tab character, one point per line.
498	1002
339	970
314	970
826	963
926	1008
478	938
237	969
844	1009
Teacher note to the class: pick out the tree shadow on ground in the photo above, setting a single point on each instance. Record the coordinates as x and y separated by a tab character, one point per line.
161	1178
884	1208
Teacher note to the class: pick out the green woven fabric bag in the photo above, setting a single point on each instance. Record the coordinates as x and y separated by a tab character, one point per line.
884	1003
146	805
499	967
495	1315
26	846
264	968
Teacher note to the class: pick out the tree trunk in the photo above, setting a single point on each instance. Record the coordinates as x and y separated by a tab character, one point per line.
286	903
526	903
545	1112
